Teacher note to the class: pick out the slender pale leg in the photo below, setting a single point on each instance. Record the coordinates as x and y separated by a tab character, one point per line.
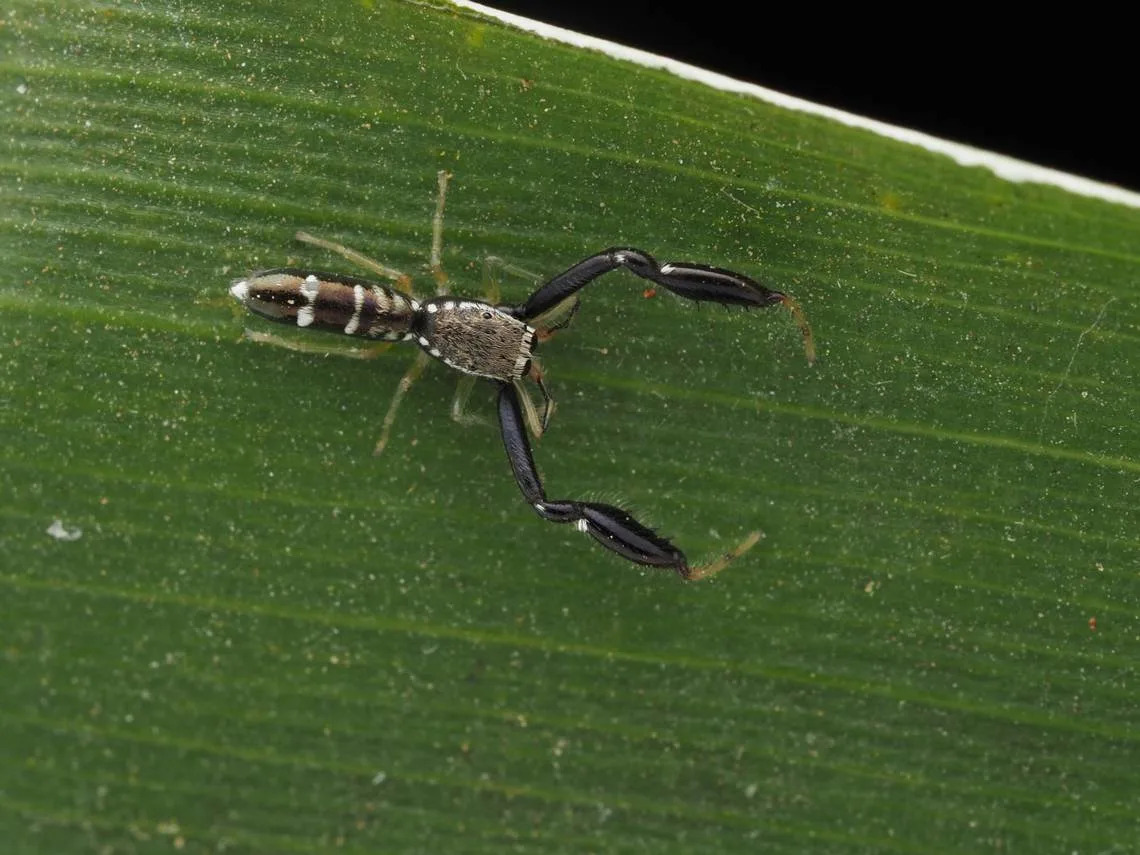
403	280
435	264
304	346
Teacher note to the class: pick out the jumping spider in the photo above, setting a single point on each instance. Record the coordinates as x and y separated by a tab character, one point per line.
497	341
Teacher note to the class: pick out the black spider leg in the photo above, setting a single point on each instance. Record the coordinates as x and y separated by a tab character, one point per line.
697	282
612	527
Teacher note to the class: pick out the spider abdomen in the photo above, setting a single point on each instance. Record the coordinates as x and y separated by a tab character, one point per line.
328	301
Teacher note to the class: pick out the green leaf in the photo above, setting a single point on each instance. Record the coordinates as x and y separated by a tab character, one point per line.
265	639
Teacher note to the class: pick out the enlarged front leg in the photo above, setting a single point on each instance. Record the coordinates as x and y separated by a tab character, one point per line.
697	282
612	527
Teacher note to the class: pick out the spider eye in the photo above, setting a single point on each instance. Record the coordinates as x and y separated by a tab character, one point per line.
486	316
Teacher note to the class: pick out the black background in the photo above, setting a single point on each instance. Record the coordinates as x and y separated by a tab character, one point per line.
1063	93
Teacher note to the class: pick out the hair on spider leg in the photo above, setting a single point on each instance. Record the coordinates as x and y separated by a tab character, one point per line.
620	500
